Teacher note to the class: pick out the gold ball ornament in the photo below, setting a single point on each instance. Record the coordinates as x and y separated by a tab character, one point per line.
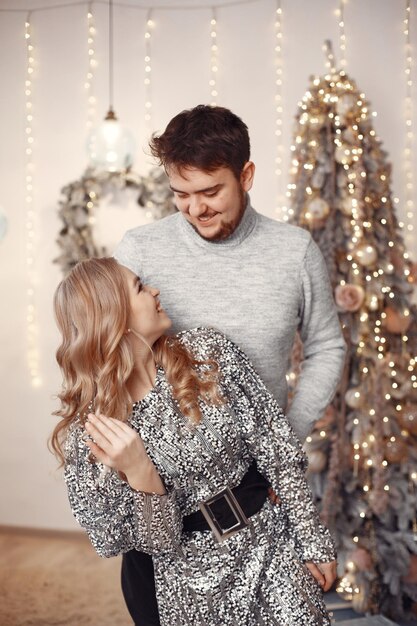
348	205
372	301
343	154
317	209
396	322
365	254
345	104
317	461
317	178
354	398
408	418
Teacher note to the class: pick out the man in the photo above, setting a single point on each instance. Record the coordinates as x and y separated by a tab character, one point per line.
219	263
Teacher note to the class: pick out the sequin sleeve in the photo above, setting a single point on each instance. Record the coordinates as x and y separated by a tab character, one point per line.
277	451
116	517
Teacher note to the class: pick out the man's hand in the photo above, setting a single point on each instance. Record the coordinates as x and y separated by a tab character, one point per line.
324	573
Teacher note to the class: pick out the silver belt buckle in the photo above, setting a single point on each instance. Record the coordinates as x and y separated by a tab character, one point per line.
241	520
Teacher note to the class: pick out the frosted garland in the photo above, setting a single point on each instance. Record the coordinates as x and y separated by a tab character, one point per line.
214	51
31	314
408	156
92	64
148	70
278	106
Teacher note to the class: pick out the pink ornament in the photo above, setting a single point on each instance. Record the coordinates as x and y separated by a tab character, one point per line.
349	297
362	559
396	322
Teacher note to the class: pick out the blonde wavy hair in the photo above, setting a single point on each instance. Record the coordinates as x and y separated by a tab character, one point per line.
92	309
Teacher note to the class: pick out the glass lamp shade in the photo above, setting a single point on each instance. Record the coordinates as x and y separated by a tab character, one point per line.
110	146
3	224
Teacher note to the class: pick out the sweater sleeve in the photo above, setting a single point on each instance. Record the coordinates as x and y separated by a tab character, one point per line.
116	517
277	451
323	344
128	252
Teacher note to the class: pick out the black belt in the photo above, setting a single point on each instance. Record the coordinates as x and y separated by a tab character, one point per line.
228	511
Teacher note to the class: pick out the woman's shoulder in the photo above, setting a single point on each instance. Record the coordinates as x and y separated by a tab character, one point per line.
208	342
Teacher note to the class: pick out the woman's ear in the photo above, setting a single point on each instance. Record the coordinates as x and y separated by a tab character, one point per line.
247	175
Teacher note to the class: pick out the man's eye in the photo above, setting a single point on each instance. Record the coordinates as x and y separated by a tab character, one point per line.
211	194
181	196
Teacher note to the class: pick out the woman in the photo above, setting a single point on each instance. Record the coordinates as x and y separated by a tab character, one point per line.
192	417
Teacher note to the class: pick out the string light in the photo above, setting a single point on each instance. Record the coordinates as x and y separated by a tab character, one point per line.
278	105
408	161
214	57
31	314
92	64
148	69
342	34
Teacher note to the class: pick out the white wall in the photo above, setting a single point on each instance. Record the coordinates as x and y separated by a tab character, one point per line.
32	493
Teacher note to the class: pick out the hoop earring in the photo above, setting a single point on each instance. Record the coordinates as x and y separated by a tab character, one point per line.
139	336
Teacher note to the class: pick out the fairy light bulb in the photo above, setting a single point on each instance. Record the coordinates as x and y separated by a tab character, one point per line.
30	218
147	81
279	109
342	33
214	58
408	151
92	64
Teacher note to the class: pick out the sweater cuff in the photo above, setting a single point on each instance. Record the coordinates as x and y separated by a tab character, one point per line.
158	521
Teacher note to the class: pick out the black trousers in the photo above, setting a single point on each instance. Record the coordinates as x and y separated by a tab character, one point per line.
138	586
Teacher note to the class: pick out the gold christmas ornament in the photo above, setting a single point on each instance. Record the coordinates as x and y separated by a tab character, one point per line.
317	461
343	154
316	210
348	204
372	301
396	322
345	104
365	254
354	398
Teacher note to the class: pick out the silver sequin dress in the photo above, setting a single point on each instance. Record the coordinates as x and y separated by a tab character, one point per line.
257	576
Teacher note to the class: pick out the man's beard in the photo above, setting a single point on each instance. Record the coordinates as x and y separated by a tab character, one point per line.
227	229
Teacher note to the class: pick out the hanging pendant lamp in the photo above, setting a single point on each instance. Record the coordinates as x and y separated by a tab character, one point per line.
110	146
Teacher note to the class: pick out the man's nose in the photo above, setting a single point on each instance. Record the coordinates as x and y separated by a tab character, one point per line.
197	206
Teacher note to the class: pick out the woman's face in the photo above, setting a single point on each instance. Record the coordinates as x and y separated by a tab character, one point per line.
147	317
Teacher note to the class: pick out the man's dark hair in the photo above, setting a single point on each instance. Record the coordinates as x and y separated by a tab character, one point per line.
205	138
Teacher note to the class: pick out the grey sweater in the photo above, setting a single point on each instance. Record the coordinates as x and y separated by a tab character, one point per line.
258	287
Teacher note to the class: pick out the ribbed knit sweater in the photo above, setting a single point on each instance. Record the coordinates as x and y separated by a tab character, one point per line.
258	287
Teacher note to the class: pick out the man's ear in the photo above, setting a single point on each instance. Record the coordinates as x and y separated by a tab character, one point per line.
247	175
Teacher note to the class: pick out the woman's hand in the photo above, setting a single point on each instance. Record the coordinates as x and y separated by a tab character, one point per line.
118	446
324	573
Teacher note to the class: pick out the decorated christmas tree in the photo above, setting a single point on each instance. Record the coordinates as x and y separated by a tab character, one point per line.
363	452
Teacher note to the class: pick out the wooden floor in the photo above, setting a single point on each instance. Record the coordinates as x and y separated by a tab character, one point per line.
49	579
57	579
